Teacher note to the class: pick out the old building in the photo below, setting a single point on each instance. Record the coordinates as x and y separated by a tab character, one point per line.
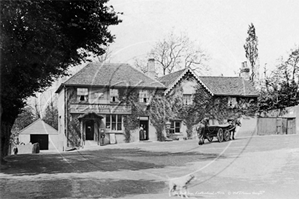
92	104
42	133
236	90
94	110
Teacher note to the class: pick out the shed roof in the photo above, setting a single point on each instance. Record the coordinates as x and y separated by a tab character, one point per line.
39	127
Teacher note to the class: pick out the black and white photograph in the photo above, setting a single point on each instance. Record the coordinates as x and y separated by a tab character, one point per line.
152	99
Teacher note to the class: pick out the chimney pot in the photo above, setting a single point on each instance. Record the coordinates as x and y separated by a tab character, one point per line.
245	71
151	68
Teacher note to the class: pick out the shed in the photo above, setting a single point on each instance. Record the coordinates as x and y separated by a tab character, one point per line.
39	131
276	125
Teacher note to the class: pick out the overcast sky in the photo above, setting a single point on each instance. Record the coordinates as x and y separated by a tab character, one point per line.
219	26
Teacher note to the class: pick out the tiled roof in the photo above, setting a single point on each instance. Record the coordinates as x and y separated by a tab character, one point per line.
169	79
216	85
109	74
39	127
229	86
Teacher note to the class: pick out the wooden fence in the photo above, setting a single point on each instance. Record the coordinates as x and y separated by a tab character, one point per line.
276	125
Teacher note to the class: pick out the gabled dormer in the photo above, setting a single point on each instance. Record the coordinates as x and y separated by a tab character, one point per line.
185	81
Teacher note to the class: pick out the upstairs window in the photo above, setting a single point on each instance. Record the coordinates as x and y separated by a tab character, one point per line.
144	96
232	102
187	99
114	95
82	94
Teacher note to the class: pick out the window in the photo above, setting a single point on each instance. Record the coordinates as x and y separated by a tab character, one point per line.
114	122
114	95
232	102
82	94
175	127
143	96
188	99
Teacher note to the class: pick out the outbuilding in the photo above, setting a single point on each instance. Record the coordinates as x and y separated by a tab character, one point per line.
42	133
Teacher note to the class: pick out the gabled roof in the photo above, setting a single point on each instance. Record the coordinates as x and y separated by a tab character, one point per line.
38	127
109	74
172	79
216	85
167	80
229	86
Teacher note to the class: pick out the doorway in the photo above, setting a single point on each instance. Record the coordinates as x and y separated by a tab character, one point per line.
89	130
43	140
145	134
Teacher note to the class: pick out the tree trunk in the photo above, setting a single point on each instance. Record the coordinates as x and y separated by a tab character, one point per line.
7	117
189	131
5	138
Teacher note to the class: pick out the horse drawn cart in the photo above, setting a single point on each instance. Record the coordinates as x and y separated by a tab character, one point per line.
222	132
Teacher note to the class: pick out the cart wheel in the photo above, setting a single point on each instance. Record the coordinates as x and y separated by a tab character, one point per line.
220	135
226	135
210	138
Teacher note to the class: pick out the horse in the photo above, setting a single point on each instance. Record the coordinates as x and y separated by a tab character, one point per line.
202	130
232	128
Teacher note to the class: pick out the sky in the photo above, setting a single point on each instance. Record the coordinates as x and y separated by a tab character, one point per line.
218	26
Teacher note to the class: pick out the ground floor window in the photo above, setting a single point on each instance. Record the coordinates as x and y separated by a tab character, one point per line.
175	127
114	122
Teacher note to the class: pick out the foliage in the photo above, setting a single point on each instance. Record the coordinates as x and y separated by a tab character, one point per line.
251	50
51	115
39	41
73	134
25	118
281	88
161	110
217	107
129	97
175	52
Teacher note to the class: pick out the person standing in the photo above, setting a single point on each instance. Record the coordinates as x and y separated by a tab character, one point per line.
141	133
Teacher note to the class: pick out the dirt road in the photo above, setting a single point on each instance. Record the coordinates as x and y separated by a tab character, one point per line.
249	167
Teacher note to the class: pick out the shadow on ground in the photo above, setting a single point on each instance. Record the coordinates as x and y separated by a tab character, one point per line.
79	188
100	160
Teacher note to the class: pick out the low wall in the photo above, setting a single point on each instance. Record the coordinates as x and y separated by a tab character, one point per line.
24	149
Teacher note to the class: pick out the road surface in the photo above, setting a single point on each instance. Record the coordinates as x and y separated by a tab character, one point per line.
249	167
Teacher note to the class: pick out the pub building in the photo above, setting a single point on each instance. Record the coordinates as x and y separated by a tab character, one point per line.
91	111
89	108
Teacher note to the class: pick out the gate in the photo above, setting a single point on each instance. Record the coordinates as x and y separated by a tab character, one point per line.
276	125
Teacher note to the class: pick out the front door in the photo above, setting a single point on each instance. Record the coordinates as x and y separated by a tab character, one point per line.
144	135
89	130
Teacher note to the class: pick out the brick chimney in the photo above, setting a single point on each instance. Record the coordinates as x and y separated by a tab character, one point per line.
245	71
151	68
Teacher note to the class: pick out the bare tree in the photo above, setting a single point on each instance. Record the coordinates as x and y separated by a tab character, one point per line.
141	64
175	52
51	115
37	109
